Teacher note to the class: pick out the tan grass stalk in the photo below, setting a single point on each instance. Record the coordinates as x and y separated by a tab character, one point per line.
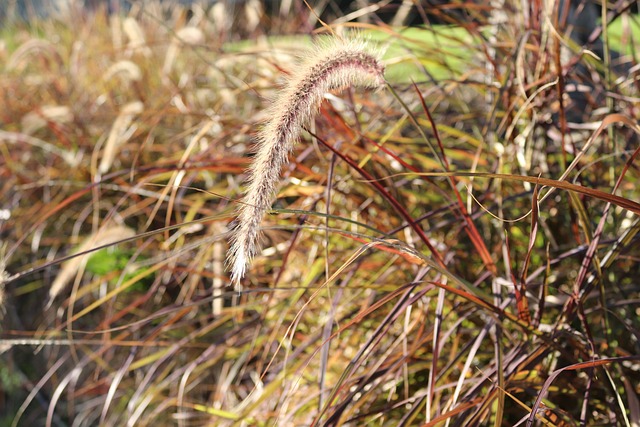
188	36
104	236
119	134
137	41
21	57
128	70
4	278
42	116
334	64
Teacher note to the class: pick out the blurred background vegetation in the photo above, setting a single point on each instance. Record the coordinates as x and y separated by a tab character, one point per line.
460	248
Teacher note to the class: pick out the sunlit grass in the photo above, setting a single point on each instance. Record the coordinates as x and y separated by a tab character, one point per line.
438	252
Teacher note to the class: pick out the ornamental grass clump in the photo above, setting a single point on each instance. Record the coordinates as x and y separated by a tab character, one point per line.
334	64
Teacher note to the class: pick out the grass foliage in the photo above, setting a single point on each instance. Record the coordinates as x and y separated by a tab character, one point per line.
459	248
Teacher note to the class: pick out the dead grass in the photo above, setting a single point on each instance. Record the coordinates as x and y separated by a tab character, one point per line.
452	250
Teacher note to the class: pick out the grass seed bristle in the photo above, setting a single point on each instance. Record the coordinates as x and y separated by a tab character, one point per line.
334	64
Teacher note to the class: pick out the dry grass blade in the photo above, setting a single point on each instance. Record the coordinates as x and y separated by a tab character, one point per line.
622	202
577	366
107	235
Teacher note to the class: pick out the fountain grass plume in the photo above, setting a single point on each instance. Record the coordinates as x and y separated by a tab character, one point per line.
333	64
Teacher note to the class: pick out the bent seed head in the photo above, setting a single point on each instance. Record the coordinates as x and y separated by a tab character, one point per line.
334	64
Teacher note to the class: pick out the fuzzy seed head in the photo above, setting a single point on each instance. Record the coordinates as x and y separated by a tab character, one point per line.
334	64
